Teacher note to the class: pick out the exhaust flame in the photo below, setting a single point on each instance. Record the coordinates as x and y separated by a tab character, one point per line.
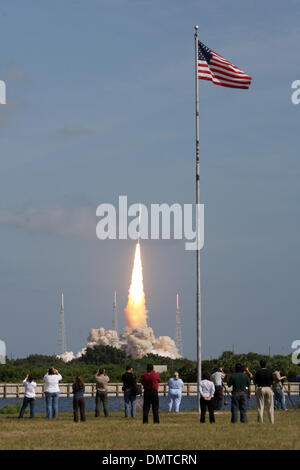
135	312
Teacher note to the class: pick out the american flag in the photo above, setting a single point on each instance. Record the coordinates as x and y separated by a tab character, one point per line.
213	67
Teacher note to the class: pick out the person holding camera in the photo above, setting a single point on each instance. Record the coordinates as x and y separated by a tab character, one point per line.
29	396
279	397
129	388
52	379
101	378
217	378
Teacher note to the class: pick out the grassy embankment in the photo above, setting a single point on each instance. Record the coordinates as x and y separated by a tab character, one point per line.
182	431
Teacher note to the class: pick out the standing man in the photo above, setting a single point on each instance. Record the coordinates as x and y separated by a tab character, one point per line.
217	378
263	380
240	382
279	398
129	389
101	379
150	381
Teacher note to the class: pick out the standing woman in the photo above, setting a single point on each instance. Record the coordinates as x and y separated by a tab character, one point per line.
175	390
78	399
52	379
207	390
29	396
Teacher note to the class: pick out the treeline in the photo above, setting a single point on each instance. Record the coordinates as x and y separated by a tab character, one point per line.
115	360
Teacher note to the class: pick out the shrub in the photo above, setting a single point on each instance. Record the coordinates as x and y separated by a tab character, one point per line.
9	409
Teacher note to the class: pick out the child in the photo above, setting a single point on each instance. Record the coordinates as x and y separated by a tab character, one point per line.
29	396
78	400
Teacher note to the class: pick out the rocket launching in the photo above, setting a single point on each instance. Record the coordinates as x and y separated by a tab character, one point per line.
137	338
135	312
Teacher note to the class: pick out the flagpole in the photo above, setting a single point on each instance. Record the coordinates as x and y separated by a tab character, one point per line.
198	298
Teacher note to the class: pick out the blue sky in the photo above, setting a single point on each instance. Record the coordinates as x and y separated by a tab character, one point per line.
100	103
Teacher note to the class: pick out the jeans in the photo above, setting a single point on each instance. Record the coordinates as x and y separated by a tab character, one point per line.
174	396
27	401
239	402
151	399
51	404
279	399
101	396
130	399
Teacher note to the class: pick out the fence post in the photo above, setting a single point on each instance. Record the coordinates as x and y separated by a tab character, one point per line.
188	389
18	391
4	391
165	390
117	390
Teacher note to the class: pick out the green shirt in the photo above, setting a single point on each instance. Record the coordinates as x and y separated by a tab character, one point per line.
239	381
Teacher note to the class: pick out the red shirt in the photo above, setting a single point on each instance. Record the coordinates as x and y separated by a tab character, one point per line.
150	380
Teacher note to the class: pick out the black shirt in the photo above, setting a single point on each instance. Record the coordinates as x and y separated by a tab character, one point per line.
129	380
263	378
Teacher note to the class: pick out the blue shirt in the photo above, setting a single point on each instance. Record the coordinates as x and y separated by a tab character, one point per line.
175	384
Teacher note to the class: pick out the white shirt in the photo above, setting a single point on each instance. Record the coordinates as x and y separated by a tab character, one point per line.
206	388
51	383
29	391
217	378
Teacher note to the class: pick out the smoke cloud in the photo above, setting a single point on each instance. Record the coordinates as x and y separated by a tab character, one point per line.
136	342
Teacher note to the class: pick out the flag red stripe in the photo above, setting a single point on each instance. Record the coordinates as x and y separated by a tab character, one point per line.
223	84
221	73
225	69
214	78
226	66
230	73
223	60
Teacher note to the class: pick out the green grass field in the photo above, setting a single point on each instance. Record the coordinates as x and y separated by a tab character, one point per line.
179	432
